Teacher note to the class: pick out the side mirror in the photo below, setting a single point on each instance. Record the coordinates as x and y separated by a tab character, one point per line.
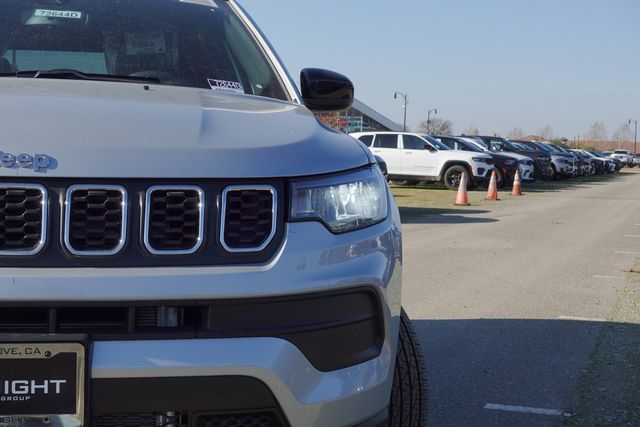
325	91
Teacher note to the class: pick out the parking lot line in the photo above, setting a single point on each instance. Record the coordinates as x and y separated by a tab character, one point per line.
582	319
627	253
524	409
608	277
632	235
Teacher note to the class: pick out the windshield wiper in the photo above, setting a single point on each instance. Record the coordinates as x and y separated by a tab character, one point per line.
79	75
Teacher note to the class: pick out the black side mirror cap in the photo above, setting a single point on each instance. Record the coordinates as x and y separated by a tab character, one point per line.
325	91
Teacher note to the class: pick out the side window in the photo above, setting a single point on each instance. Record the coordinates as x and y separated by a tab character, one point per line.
366	139
386	141
411	142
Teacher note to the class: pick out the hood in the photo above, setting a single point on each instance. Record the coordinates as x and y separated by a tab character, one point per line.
458	154
117	130
573	156
534	154
511	155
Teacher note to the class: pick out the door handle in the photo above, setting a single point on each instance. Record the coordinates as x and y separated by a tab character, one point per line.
408	152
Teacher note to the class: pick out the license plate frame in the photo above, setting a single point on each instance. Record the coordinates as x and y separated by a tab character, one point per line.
36	362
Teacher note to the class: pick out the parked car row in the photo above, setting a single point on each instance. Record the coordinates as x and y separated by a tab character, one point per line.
412	158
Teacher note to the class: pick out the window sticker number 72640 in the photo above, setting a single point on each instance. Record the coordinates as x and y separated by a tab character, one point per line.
46	13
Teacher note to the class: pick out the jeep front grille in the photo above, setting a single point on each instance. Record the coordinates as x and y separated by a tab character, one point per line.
95	220
248	218
139	222
23	218
174	220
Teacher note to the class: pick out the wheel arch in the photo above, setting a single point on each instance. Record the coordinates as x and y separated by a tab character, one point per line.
450	163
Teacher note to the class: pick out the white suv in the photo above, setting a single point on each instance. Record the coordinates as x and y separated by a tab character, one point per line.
625	156
421	158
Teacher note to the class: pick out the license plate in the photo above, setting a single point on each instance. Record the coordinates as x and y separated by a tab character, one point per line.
42	384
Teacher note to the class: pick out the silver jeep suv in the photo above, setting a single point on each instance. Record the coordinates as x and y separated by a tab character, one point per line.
182	244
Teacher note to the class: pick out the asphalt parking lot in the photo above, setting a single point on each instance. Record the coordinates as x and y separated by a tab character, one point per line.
512	301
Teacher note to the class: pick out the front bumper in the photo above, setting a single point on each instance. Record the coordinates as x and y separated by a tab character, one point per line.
310	260
527	172
481	171
565	168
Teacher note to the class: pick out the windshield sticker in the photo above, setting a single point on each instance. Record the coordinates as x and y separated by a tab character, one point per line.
69	14
226	86
207	3
146	43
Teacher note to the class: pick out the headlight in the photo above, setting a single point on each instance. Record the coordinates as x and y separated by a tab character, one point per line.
344	202
510	162
480	159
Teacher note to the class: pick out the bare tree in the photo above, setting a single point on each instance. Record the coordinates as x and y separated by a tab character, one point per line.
516	133
546	133
436	126
597	132
623	133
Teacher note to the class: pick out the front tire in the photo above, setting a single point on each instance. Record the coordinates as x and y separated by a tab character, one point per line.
408	405
453	175
500	178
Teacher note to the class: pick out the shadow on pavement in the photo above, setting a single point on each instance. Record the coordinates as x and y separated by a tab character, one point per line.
586	369
413	215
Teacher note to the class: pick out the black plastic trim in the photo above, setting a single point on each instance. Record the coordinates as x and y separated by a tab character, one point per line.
224	394
380	420
333	329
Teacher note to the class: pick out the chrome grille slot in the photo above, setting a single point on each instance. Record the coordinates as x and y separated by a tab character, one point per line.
95	220
248	218
174	220
23	218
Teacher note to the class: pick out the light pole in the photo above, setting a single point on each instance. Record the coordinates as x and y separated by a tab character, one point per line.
434	111
406	101
635	135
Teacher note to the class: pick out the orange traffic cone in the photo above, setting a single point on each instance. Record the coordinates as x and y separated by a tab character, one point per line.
462	199
517	185
492	194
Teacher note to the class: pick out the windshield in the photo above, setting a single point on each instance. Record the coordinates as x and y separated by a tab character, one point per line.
548	148
510	145
195	43
469	146
439	145
481	142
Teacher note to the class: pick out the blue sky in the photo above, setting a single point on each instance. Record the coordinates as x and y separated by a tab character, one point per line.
491	64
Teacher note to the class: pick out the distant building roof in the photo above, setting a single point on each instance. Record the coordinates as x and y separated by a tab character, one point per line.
378	117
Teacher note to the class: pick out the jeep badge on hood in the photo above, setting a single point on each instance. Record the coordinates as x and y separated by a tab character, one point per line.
37	162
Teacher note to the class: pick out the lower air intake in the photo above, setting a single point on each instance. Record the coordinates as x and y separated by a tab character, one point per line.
170	419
